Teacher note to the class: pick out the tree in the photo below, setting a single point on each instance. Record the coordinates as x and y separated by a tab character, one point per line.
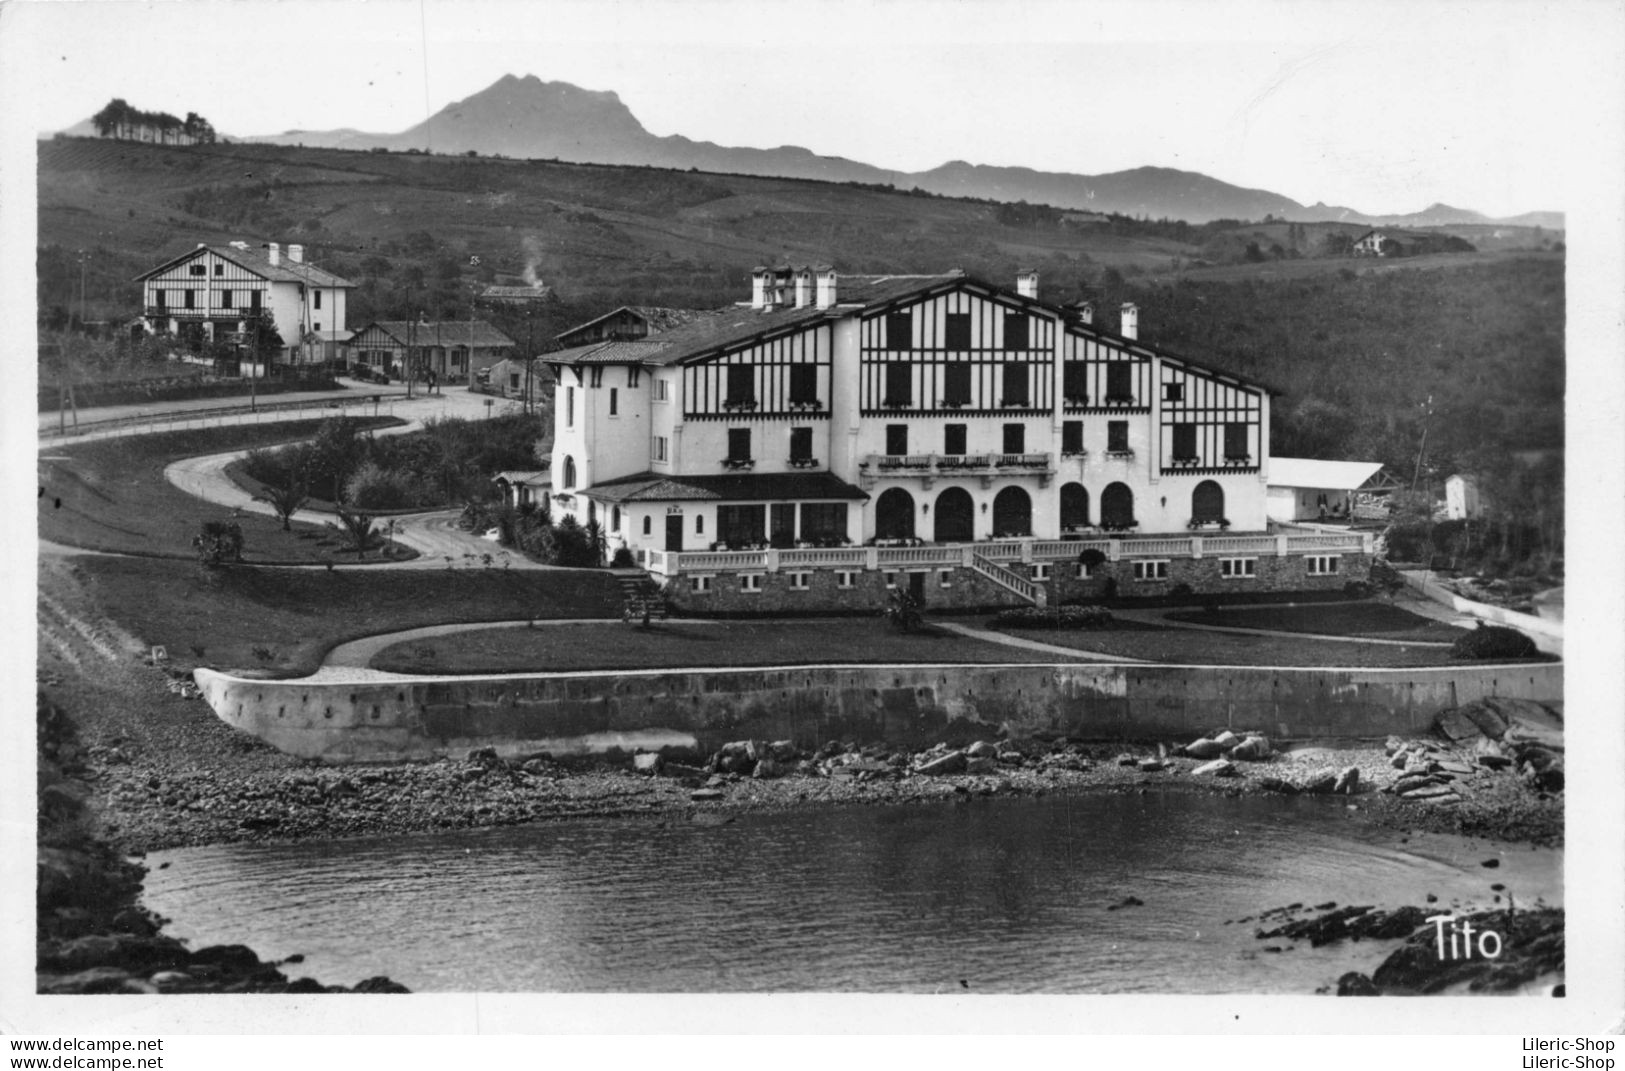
288	488
357	527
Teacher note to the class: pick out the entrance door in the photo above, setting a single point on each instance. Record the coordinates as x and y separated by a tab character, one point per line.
782	524
916	588
674	531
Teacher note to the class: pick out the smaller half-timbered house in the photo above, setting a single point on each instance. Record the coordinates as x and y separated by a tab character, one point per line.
213	294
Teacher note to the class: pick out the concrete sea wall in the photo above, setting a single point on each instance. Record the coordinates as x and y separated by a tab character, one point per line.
908	706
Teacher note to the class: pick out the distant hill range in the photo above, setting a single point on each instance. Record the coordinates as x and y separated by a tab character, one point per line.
527	118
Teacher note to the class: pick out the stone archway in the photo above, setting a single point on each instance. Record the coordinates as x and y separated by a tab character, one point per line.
1074	506
894	514
955	520
1207	502
1012	513
1116	506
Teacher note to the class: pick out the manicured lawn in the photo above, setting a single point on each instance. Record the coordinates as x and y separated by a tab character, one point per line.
1372	619
112	495
284	620
1191	647
681	644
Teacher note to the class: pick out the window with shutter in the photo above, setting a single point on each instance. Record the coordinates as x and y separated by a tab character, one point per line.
956	331
899	383
1120	382
956	385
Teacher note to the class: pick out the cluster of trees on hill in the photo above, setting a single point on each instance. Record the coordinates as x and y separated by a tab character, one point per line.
119	120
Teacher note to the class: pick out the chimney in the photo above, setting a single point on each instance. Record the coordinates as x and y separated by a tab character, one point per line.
1027	283
804	287
1085	311
296	253
826	286
1131	320
759	279
273	253
779	289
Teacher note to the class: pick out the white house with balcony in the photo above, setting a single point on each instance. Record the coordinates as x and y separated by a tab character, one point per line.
840	435
212	293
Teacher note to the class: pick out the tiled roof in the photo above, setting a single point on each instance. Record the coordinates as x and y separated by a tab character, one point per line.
748	487
657	317
1330	475
258	261
451	332
515	293
635	351
532	479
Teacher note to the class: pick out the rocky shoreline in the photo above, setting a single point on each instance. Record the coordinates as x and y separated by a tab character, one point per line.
93	935
162	772
1423	784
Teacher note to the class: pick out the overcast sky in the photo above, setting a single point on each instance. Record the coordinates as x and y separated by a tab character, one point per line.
1384	107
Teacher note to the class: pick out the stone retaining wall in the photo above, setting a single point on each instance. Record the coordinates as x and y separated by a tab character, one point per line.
907	706
968	590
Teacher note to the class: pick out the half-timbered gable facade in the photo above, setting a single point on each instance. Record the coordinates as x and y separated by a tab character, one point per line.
212	292
938	424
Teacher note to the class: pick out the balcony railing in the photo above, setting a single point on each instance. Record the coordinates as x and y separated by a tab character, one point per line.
932	466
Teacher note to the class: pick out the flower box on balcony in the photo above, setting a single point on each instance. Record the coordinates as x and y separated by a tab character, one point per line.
744	405
1119	399
1074	453
1121	455
809	406
1184	462
1076	399
953	403
803	462
1125	526
1222	524
1013	403
738	462
895	403
1237	459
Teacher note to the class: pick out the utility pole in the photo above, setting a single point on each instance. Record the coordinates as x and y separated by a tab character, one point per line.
1427	415
409	333
530	350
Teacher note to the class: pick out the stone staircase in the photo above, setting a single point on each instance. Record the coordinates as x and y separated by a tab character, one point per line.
641	597
1019	586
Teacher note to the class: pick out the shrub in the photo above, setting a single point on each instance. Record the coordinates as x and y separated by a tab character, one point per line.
1357	589
1092	558
1494	641
373	487
903	611
218	543
623	559
1060	617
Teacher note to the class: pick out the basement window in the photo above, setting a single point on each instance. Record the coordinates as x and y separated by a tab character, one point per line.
1321	564
699	584
1236	568
845	579
799	581
750	581
1040	572
1151	570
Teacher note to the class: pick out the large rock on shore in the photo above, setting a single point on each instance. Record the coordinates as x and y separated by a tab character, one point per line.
1205	748
1252	749
1216	768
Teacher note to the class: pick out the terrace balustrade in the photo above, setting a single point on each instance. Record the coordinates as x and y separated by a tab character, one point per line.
672	563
